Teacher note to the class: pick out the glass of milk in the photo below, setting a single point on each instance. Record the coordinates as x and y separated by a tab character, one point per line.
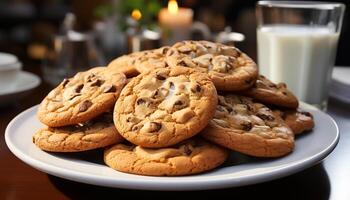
297	43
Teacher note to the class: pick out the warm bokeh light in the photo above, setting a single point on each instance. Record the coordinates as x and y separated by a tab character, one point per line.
173	7
136	14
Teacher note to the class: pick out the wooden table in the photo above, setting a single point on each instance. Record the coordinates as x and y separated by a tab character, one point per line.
329	179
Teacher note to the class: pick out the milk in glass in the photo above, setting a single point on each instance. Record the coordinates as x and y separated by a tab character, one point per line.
300	56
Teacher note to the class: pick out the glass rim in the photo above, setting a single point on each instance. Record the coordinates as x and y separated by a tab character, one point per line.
301	4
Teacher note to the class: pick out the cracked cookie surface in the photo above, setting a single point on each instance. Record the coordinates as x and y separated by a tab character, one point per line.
299	121
188	157
268	92
248	127
165	106
82	97
125	64
228	67
99	132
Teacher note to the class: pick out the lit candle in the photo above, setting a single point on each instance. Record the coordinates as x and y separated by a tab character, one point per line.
176	20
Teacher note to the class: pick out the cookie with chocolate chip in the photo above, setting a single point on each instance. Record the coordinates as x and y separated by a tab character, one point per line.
82	97
299	121
150	59
270	93
228	67
249	127
96	133
188	157
165	106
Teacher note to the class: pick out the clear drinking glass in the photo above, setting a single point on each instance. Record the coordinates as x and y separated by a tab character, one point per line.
68	54
297	43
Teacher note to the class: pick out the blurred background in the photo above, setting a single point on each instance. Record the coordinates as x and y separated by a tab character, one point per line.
28	26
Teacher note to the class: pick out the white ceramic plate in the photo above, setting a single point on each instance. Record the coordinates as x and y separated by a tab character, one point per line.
238	171
25	81
340	85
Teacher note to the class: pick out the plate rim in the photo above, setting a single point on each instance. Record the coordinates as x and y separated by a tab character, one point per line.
215	182
35	83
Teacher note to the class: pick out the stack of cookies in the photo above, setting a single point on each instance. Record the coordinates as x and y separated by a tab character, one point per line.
181	111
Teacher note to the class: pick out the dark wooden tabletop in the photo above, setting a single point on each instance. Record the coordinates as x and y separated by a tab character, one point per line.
329	179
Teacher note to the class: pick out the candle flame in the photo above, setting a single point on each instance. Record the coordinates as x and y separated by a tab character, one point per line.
173	7
136	14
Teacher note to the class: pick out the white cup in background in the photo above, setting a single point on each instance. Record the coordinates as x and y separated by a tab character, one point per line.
10	67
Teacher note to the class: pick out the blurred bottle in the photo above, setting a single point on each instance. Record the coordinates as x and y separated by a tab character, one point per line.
70	52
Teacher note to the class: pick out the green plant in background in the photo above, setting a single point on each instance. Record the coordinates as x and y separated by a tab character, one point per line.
123	8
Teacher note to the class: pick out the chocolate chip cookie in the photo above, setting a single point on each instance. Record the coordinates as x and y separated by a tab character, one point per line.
299	121
268	92
125	64
248	127
189	157
82	97
150	59
228	67
165	106
96	133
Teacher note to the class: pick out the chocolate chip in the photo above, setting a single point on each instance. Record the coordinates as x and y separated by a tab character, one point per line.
221	108
265	116
178	103
135	128
78	88
171	84
155	127
165	50
109	88
140	101
65	82
247	126
166	64
97	83
187	150
155	94
182	63
90	77
207	46
185	51
306	113
160	77
197	88
85	105
272	85
249	107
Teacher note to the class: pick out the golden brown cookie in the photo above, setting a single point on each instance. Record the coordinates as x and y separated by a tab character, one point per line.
165	106
125	64
82	97
151	59
299	121
268	92
99	132
228	67
189	157
248	127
